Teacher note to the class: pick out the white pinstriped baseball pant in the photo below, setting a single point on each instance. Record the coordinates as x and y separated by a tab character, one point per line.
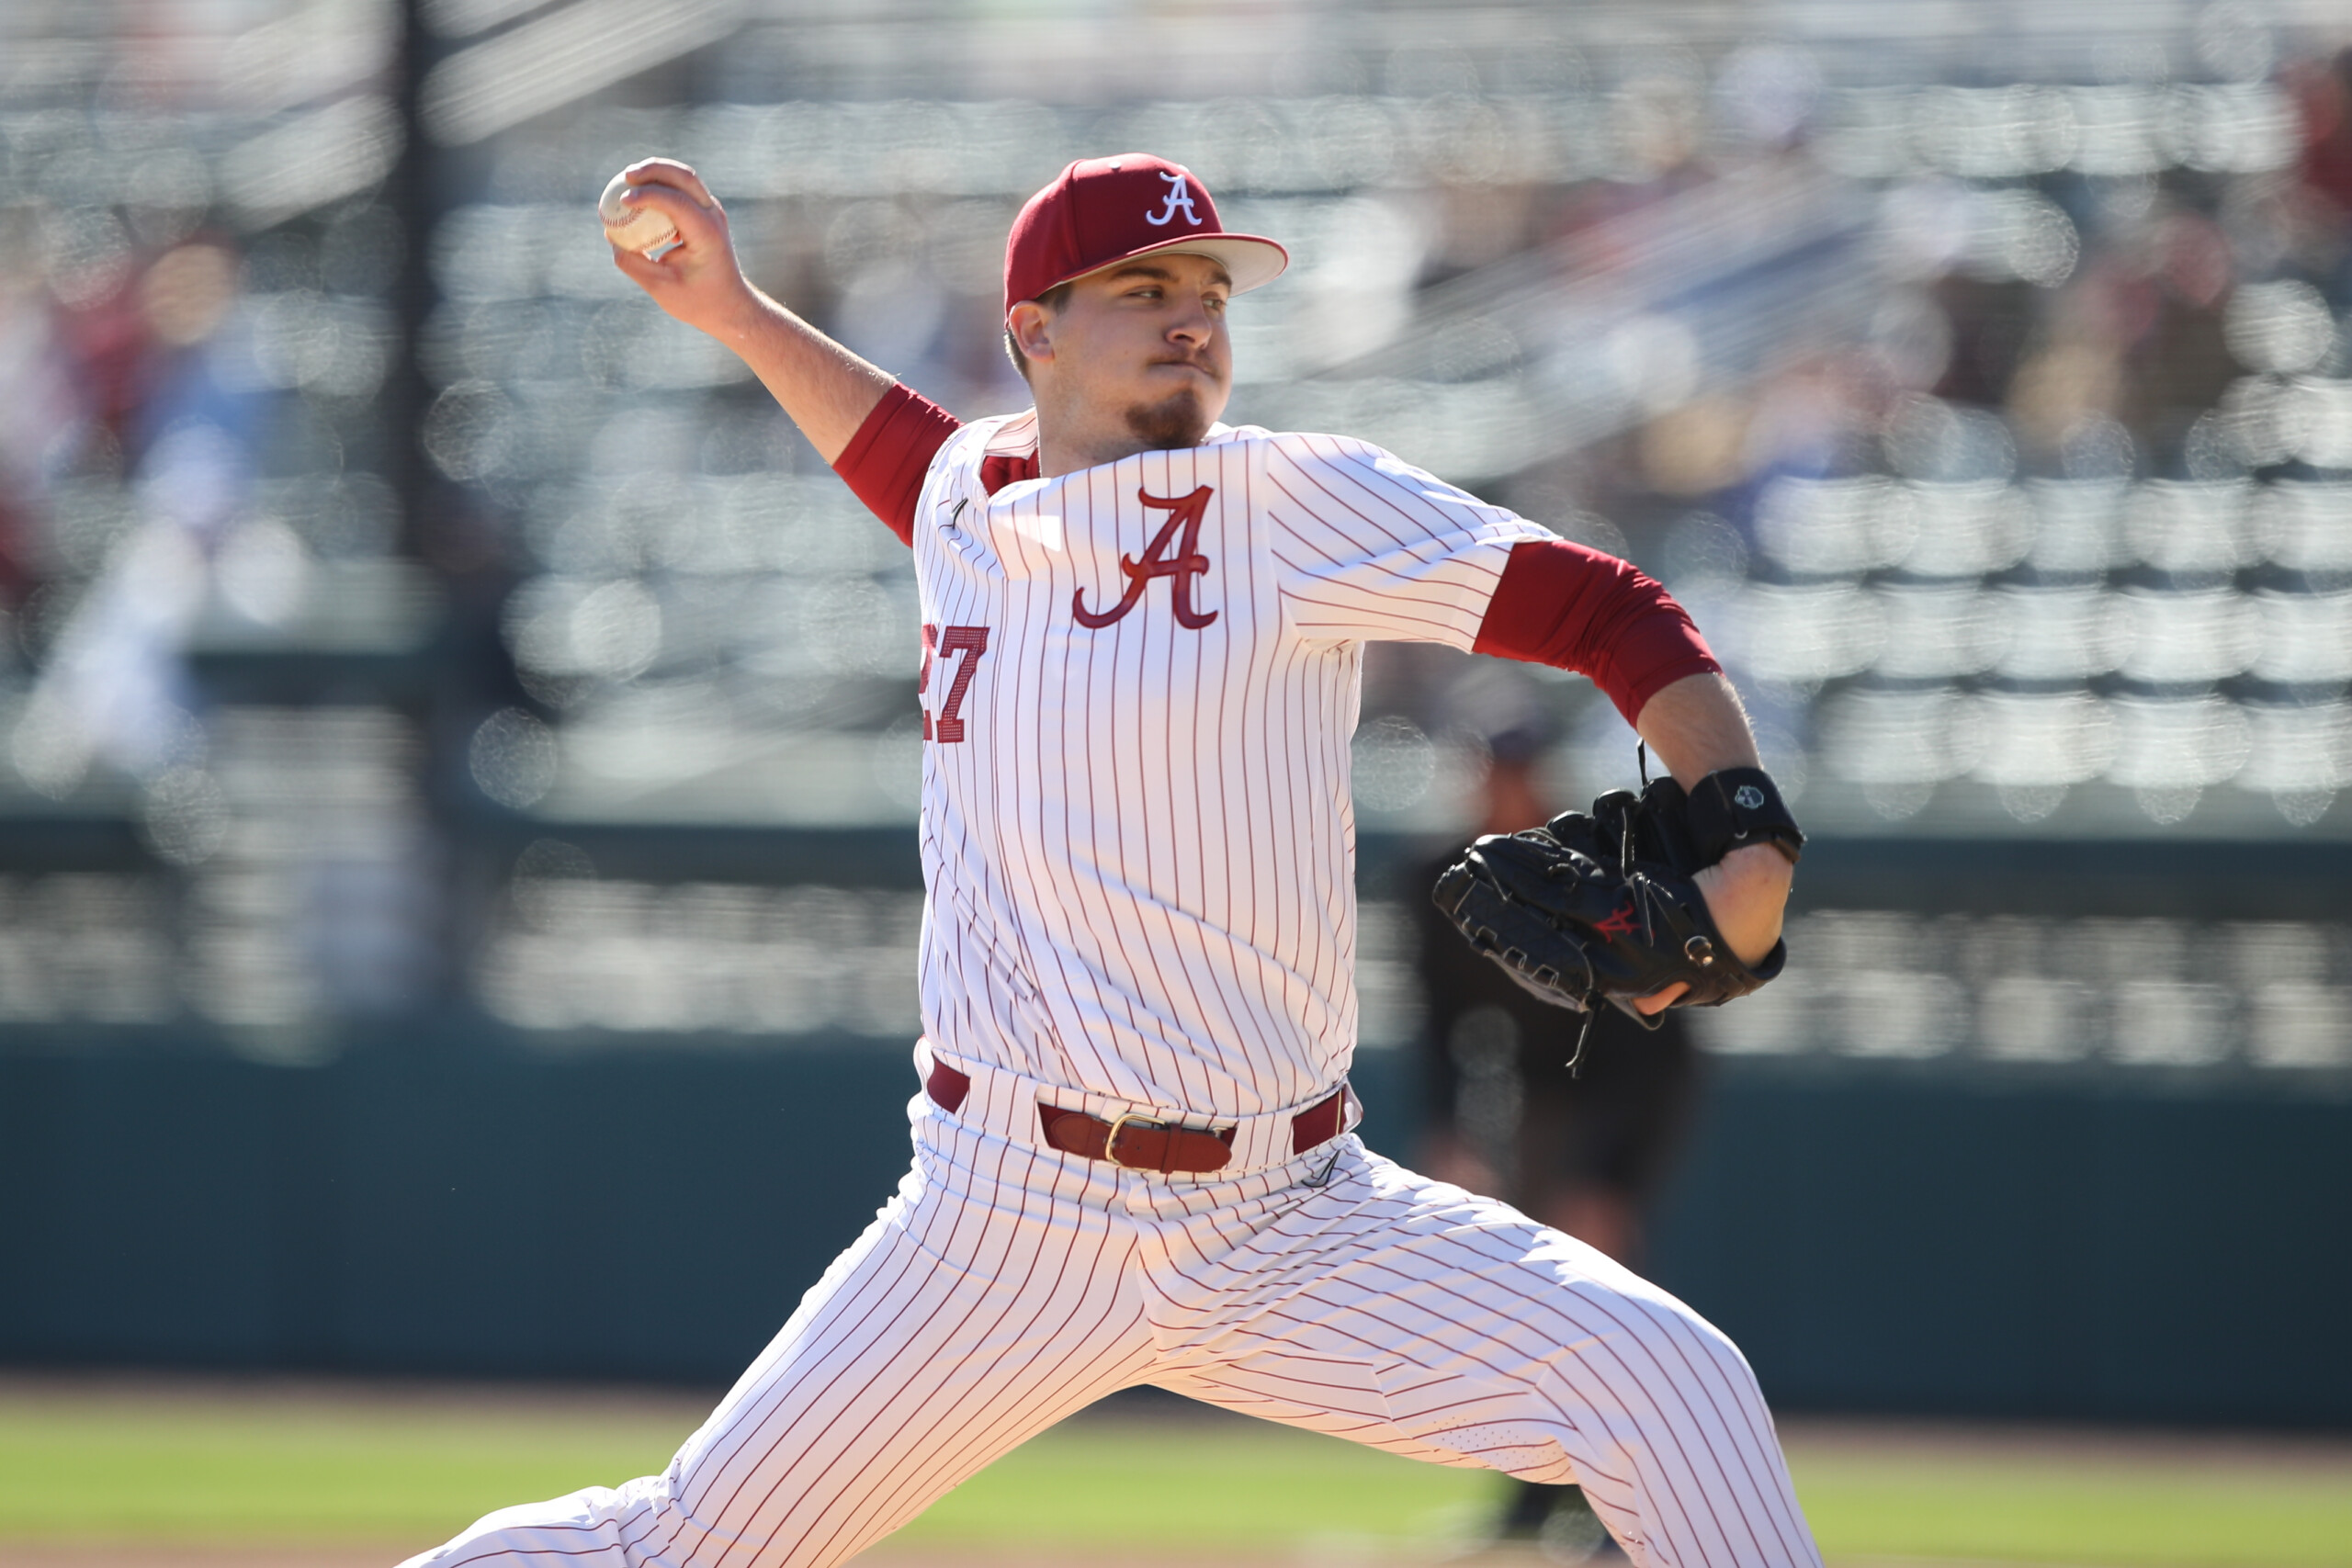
1008	1285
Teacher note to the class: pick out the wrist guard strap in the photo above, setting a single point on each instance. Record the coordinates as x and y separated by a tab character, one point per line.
1735	808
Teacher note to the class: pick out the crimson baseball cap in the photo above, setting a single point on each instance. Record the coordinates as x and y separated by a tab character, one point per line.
1102	212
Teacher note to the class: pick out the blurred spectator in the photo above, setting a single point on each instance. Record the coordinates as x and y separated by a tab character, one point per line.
2180	364
44	412
2324	94
168	408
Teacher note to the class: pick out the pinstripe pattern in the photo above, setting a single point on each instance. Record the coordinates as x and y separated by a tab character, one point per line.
1005	1288
1140	862
1141	855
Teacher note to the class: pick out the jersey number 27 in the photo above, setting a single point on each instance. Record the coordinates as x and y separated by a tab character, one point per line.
948	728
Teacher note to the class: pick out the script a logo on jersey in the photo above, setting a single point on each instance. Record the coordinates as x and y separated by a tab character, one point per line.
1179	196
1173	553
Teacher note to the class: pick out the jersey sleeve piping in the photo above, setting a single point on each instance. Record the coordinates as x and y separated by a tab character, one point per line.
884	463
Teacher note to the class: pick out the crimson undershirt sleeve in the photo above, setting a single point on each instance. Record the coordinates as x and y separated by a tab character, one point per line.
885	462
1563	604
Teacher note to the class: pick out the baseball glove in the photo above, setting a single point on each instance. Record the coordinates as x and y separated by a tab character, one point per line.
1599	908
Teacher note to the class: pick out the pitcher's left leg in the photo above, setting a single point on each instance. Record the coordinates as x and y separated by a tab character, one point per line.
1411	1315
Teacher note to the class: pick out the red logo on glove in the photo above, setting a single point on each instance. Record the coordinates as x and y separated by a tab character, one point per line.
1622	923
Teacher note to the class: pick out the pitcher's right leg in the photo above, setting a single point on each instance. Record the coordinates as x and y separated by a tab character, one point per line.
974	1313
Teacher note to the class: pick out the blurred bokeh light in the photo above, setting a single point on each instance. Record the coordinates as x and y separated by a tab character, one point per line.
1982	379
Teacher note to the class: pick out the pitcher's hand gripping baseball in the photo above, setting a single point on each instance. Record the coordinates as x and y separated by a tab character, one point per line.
690	272
1603	907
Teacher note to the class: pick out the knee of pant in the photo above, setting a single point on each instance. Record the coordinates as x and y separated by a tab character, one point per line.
1647	1319
1649	1358
1677	1320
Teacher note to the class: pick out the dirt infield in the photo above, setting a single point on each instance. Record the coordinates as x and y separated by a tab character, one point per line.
152	1555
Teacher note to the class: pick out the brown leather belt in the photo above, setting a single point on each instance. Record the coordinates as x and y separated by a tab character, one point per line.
1138	1143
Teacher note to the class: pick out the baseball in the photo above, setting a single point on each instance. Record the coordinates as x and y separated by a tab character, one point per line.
645	230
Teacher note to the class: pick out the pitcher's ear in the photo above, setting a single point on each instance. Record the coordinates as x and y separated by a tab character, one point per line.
1030	325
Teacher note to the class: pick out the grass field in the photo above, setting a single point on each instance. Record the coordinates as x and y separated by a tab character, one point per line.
125	1472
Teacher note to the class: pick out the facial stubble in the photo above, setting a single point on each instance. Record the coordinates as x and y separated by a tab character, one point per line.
1174	421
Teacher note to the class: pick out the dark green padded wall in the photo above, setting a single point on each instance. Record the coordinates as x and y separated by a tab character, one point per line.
1875	1241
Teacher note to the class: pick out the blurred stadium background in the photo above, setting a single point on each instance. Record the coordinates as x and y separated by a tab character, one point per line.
458	743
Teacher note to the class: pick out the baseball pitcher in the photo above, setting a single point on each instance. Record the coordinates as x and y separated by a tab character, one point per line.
1133	1155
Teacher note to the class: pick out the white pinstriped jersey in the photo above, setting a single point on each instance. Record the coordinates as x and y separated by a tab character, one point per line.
1139	684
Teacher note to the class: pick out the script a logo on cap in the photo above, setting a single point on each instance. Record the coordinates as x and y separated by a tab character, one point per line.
1747	797
1178	195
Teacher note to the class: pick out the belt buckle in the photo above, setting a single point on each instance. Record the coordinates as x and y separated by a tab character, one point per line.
1110	1138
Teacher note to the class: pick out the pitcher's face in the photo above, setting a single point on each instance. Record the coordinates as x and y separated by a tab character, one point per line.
1138	350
